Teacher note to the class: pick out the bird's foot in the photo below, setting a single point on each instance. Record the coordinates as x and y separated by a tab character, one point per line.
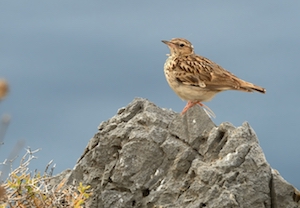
188	106
207	110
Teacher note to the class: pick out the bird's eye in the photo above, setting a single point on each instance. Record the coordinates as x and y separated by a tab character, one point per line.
181	45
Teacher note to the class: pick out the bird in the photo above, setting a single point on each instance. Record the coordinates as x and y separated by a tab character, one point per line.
197	79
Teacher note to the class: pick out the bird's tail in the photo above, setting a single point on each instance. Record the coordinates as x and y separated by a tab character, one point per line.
249	87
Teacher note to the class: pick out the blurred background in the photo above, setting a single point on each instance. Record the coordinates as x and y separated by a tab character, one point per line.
72	64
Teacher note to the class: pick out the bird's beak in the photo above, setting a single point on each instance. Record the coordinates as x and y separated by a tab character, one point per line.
165	42
168	43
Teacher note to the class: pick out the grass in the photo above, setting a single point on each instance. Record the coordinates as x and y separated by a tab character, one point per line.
23	188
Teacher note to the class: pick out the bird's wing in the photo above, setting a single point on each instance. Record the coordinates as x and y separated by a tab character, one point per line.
199	71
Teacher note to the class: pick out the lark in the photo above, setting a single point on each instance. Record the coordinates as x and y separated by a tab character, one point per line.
197	79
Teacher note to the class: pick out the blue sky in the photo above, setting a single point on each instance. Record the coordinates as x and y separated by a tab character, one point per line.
73	64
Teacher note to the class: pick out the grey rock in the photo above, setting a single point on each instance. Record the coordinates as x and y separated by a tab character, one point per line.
146	156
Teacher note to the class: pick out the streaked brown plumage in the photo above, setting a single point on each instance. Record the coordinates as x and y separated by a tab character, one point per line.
195	78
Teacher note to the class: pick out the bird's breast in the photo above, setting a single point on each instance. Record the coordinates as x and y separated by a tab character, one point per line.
185	91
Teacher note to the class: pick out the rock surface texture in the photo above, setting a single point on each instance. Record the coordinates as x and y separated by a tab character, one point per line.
146	156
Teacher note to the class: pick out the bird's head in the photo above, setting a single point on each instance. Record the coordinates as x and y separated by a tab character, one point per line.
179	47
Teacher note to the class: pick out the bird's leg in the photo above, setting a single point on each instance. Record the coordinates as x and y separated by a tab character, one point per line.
188	106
